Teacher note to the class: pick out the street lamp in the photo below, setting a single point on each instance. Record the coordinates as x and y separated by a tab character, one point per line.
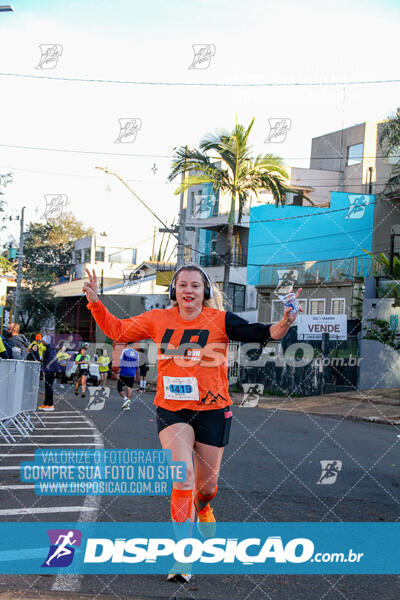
6	8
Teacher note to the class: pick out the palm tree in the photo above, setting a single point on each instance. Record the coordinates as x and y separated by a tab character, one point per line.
389	141
232	170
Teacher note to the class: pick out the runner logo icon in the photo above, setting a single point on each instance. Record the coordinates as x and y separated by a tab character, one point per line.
61	551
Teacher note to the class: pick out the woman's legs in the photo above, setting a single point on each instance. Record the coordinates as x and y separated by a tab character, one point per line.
84	379
179	438
78	382
207	462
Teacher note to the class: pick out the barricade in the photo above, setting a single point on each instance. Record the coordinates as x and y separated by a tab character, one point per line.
19	386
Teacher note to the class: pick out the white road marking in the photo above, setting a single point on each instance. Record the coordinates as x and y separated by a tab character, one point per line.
42	446
50	509
17	487
29	454
73	582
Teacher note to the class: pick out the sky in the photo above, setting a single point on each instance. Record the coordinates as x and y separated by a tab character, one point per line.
55	132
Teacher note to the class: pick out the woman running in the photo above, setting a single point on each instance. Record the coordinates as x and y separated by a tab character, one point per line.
82	361
192	399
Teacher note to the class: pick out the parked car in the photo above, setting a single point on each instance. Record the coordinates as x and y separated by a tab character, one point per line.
93	375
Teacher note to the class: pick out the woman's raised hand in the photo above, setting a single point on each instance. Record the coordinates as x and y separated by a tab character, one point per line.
90	287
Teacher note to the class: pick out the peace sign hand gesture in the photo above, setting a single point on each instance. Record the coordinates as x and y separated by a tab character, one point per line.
90	287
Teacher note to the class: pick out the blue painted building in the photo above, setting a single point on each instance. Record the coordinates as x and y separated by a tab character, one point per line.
298	234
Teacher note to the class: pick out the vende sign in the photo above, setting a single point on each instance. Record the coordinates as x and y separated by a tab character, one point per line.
311	327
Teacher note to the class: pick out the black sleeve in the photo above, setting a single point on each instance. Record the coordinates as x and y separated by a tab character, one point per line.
4	354
240	330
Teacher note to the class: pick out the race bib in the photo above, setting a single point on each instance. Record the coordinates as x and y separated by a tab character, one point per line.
83	366
181	388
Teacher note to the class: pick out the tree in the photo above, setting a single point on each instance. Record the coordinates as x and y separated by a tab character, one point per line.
381	331
239	175
48	248
36	306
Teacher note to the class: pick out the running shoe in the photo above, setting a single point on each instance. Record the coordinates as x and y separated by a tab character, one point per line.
76	392
46	407
179	577
206	521
83	395
126	405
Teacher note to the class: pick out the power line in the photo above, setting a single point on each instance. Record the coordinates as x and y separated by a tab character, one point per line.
169	156
323	212
203	84
313	237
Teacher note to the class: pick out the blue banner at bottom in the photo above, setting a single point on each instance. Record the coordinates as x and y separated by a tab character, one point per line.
155	548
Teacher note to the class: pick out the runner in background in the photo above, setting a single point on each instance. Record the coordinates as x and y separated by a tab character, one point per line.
50	370
82	360
104	366
62	358
128	364
143	368
193	405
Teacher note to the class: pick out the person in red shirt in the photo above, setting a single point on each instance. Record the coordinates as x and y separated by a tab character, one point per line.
192	399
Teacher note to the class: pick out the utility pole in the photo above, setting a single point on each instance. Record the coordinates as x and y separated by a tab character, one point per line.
180	255
20	263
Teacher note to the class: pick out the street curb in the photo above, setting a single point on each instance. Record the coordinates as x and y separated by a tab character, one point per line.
377	420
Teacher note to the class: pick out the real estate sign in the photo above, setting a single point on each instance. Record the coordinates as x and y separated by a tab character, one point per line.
311	327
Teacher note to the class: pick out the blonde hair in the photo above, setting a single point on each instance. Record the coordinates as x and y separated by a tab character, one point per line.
218	299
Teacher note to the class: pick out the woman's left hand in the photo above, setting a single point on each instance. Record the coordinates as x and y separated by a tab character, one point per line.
289	316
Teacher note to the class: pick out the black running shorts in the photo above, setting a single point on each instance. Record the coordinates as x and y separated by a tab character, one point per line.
123	380
211	427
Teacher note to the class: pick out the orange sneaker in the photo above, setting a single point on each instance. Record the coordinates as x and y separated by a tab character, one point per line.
206	521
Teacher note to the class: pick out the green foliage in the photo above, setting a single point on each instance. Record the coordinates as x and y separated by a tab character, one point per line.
36	306
380	331
389	141
5	265
240	176
48	248
383	261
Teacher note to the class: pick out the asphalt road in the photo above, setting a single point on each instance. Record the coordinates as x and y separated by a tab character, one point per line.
270	472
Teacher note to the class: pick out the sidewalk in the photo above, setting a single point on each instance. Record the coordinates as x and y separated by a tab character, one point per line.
376	405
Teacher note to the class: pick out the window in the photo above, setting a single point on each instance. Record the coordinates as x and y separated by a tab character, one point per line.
303	306
277	308
338	306
237	295
100	253
317	307
354	154
207	241
86	255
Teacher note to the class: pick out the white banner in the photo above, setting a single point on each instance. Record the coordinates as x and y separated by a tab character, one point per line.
311	327
3	291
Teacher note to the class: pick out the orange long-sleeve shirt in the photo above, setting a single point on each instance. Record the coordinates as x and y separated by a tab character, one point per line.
192	355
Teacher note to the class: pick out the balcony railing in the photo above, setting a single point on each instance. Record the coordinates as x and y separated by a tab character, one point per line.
216	260
328	271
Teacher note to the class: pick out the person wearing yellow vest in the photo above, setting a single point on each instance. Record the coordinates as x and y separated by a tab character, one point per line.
3	351
40	346
103	361
62	359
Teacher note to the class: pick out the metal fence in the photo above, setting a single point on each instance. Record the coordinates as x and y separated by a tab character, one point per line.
19	385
